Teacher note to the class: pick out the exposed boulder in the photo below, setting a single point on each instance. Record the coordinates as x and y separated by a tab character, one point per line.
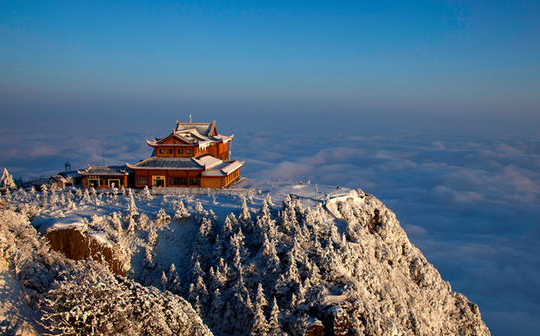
75	242
314	327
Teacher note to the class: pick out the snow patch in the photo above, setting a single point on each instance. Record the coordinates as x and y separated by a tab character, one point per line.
101	238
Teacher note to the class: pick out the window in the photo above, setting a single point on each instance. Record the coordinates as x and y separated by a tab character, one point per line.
161	151
180	151
188	151
169	151
177	181
142	180
194	181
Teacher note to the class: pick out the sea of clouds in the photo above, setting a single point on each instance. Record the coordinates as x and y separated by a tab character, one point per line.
468	197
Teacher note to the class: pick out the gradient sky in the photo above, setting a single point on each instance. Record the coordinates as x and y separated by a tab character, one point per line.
435	57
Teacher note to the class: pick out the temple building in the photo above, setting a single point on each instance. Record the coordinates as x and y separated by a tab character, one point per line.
104	176
193	155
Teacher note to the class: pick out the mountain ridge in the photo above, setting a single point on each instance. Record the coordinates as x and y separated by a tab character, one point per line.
249	267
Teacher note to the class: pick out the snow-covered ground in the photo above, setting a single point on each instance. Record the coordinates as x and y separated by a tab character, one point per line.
259	258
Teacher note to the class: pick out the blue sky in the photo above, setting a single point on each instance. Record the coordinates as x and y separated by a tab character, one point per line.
432	106
436	56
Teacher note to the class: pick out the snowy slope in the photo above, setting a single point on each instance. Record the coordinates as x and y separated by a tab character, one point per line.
263	258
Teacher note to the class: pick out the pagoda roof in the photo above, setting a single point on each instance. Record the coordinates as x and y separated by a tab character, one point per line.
206	129
189	134
104	170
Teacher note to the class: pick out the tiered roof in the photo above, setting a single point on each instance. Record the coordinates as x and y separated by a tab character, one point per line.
189	134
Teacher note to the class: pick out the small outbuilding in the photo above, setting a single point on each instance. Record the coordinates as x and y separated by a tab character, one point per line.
104	176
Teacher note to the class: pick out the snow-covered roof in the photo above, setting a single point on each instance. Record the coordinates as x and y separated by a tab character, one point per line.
203	128
104	170
210	164
71	173
232	167
207	161
224	168
189	134
156	162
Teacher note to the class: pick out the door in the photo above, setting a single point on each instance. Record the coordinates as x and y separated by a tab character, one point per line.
158	181
93	183
114	182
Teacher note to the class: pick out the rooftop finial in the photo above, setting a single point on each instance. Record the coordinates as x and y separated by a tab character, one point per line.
190	118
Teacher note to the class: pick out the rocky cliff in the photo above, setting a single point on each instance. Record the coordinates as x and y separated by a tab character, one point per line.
231	263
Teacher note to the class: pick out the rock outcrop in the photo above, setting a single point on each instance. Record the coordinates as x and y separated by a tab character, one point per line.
76	243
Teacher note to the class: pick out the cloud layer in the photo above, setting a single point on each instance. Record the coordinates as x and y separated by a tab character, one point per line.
469	201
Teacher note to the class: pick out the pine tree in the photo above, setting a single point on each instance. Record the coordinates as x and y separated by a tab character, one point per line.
44	197
6	181
245	215
164	281
174	280
131	206
199	208
260	326
270	254
229	226
117	223
260	299
114	193
274	325
268	200
181	211
217	315
146	194
162	218
86	197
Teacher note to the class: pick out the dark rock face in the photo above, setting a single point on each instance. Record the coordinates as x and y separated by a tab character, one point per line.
71	242
314	328
337	322
75	243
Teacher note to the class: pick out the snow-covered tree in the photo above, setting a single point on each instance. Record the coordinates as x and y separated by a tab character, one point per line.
245	214
162	218
181	211
6	181
131	206
146	194
174	280
164	281
260	325
199	209
230	226
86	197
274	323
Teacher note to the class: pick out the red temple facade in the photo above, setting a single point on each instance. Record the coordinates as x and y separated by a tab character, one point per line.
193	155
